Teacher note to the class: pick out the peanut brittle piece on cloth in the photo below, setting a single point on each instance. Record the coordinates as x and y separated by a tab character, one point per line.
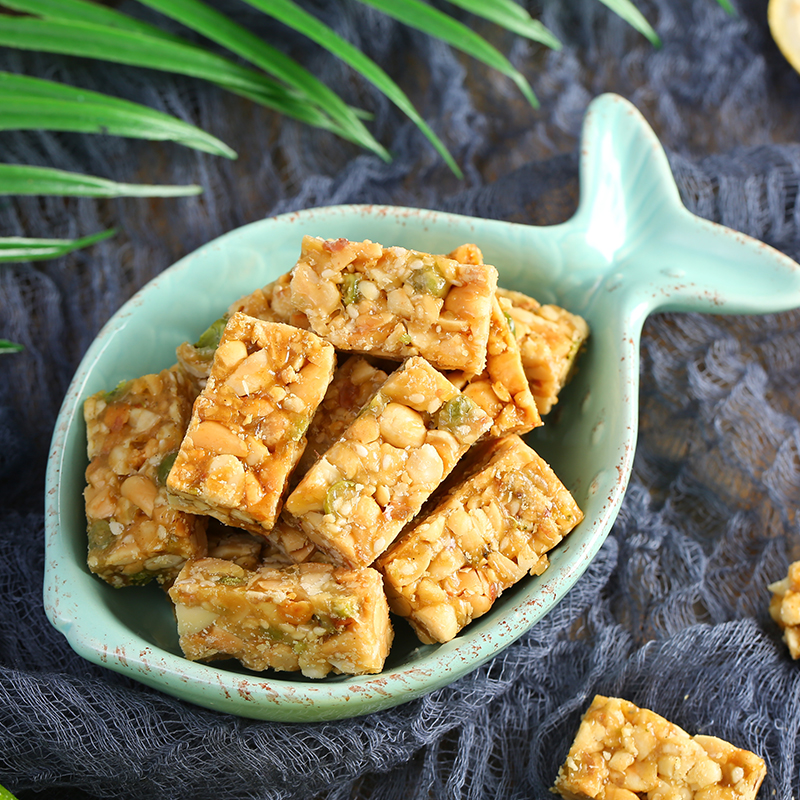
623	752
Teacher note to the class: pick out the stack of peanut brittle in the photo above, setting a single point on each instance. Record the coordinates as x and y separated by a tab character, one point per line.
343	441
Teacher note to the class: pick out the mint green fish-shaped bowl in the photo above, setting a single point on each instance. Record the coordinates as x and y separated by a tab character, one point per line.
630	249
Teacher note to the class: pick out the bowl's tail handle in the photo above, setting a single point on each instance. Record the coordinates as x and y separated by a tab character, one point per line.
644	243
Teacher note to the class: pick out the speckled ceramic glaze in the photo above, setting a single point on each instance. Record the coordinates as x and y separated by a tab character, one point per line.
630	249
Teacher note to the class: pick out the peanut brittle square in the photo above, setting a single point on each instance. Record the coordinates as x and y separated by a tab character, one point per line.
133	434
395	303
353	502
486	533
248	425
311	617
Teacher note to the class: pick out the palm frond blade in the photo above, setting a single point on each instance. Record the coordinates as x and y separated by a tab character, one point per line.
141	50
290	14
18	179
429	20
513	17
218	28
36	104
18	249
631	14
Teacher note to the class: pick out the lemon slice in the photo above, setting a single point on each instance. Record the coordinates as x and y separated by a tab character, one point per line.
784	23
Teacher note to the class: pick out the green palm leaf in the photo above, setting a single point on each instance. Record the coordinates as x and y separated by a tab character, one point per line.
138	49
36	104
9	347
85	11
21	179
295	17
217	27
429	20
628	11
15	248
512	17
85	28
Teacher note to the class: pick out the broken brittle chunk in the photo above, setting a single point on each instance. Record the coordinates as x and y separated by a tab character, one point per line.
784	608
310	617
353	384
196	359
293	545
248	425
354	501
395	303
494	527
273	303
502	389
133	434
623	752
234	544
550	339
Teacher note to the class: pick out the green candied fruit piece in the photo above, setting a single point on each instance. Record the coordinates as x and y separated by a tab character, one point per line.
100	536
231	580
297	429
140	578
375	405
118	392
275	634
429	280
209	338
338	492
165	466
459	410
344	607
349	288
326	624
300	647
511	326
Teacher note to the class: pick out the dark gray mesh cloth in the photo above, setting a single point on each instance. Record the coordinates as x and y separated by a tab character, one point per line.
673	612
